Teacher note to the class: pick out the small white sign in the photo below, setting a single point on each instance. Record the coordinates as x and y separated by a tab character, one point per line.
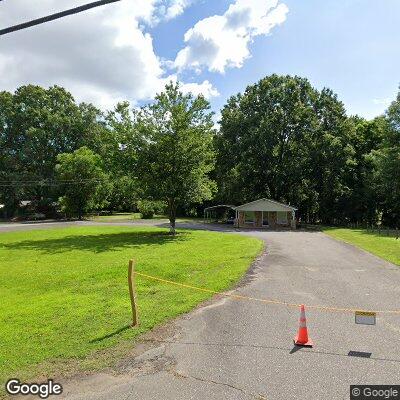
365	318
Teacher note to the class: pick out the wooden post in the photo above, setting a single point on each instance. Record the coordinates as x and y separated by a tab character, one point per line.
132	293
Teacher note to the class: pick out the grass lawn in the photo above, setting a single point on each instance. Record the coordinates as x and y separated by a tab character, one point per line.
385	247
64	293
137	216
116	217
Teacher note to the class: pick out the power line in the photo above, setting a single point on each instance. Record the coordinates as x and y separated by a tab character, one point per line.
58	15
44	180
48	183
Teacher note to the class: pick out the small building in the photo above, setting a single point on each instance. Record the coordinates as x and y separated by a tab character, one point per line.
265	213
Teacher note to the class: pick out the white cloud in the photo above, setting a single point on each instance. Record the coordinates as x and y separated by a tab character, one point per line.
205	88
222	41
176	8
103	55
169	9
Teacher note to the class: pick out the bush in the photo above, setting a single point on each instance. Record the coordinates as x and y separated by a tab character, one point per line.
148	208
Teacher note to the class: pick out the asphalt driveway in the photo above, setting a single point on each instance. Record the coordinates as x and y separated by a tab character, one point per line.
232	349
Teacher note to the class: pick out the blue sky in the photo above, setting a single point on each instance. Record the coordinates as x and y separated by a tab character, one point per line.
128	50
351	46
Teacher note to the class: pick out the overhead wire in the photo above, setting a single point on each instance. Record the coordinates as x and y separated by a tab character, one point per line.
55	16
48	183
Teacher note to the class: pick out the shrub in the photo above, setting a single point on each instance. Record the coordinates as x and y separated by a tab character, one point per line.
146	209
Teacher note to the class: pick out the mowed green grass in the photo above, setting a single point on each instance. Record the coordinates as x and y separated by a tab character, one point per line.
385	247
116	217
64	293
137	216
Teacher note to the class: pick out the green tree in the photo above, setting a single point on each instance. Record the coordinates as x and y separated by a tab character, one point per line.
264	133
119	147
283	139
387	160
361	203
85	185
330	155
123	195
10	169
177	154
36	125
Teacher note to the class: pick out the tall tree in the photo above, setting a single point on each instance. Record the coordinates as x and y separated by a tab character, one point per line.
85	185
361	202
36	125
119	148
331	154
283	139
177	154
387	159
264	133
10	169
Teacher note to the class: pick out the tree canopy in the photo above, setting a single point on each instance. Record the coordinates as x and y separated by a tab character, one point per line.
387	161
281	138
36	125
284	140
84	183
177	154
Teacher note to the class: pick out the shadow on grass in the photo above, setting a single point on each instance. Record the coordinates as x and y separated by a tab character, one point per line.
383	233
378	235
98	243
110	335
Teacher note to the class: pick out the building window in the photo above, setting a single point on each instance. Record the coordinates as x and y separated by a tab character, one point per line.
282	218
249	217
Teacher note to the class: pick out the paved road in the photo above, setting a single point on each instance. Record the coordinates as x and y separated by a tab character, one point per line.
233	349
163	223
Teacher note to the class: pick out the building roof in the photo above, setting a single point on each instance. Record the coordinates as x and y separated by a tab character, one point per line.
265	205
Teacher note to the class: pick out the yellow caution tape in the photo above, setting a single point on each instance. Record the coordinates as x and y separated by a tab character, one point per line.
265	301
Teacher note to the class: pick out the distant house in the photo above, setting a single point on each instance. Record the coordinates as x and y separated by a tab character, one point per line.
265	213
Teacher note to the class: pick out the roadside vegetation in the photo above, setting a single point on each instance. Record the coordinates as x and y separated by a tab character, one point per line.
64	292
281	138
382	246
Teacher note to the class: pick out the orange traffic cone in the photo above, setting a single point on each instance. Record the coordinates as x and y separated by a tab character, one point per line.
302	338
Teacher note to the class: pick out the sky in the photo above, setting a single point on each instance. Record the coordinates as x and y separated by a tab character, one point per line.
130	49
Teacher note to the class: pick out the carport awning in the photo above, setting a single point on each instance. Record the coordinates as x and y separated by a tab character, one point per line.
220	206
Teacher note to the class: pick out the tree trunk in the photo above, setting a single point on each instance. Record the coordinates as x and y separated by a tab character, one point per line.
172	229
